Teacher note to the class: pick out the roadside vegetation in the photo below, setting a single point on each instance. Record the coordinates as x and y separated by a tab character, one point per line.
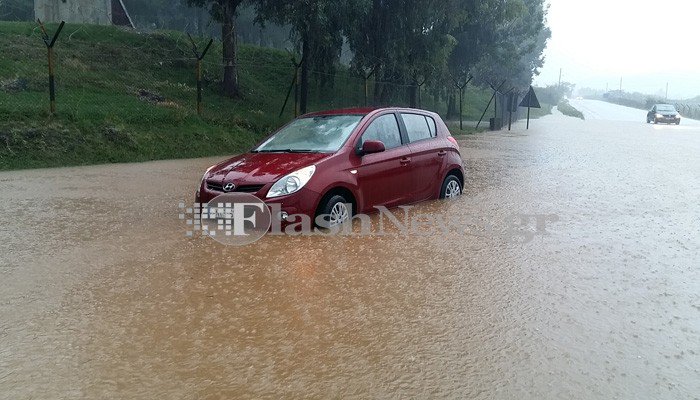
550	96
567	109
124	95
536	113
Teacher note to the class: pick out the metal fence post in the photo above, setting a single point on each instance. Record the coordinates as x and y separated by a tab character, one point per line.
199	58
49	46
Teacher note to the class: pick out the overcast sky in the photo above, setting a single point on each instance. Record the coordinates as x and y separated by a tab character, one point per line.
647	43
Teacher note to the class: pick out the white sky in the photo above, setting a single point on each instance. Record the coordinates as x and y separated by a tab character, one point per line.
646	42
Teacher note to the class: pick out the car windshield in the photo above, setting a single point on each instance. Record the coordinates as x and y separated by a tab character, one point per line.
323	134
666	107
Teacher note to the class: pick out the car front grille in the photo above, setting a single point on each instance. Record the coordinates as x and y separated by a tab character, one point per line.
248	188
218	187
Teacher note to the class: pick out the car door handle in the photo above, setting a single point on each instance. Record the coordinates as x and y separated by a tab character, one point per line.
442	153
405	160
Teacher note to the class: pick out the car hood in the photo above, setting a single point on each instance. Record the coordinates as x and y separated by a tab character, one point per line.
262	168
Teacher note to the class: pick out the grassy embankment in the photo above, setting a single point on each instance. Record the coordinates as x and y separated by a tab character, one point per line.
567	109
124	96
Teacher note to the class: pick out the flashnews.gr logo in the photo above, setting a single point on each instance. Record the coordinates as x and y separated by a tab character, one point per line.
232	219
240	219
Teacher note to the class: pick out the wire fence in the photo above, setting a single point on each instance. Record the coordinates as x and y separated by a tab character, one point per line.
688	110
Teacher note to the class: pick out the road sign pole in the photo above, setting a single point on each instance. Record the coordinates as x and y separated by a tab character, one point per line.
528	117
530	101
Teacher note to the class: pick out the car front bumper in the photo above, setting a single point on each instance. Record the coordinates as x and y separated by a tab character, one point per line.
668	120
302	202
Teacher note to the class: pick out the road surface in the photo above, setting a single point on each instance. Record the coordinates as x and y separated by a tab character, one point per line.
103	296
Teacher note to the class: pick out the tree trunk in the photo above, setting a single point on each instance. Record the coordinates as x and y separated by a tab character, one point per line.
451	105
377	85
305	56
412	96
228	37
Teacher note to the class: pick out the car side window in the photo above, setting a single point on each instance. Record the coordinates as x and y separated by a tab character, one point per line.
386	130
432	126
418	127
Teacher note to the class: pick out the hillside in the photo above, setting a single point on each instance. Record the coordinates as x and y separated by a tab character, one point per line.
126	96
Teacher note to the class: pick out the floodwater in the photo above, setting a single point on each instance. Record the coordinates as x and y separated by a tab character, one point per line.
103	296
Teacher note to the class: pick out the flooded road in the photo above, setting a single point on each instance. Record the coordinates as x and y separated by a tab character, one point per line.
103	296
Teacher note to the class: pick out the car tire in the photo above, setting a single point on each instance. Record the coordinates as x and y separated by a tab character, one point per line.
656	121
678	123
451	187
336	208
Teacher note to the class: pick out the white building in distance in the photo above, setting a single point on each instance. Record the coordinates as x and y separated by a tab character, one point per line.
100	12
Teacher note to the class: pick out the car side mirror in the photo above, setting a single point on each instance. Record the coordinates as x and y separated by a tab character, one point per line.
371	147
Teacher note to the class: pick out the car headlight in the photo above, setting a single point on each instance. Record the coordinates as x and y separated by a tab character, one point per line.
659	115
206	173
292	183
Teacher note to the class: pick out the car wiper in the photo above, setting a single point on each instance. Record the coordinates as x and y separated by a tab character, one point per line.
286	151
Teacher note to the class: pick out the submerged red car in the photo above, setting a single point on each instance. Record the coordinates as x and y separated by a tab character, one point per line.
320	163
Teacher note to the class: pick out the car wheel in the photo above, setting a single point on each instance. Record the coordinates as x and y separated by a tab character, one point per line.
656	121
451	188
678	123
335	211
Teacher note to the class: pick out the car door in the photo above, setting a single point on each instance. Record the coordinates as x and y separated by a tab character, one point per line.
427	154
384	177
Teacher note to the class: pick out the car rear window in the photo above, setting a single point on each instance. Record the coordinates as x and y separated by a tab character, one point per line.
419	127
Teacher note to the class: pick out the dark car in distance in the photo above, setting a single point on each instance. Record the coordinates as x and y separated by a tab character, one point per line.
665	113
320	162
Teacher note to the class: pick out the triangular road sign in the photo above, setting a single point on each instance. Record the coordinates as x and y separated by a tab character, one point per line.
530	100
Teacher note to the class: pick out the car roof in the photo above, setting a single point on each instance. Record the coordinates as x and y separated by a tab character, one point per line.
360	111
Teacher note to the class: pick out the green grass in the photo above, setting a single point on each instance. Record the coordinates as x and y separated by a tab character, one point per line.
453	126
100	118
100	71
567	109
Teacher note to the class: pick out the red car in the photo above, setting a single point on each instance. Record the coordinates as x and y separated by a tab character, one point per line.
321	162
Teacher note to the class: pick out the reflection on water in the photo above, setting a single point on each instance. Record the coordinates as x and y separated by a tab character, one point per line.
103	296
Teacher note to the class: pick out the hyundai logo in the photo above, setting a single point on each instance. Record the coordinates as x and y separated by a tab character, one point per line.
229	187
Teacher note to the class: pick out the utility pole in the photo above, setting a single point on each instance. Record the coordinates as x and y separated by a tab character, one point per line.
560	71
666	90
620	84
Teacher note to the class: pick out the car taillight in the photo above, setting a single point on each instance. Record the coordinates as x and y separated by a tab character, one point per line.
453	140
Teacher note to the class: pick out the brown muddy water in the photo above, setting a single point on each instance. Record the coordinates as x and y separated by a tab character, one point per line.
103	296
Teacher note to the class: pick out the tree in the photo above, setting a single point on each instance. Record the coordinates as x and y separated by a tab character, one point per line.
224	11
316	31
521	36
404	42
